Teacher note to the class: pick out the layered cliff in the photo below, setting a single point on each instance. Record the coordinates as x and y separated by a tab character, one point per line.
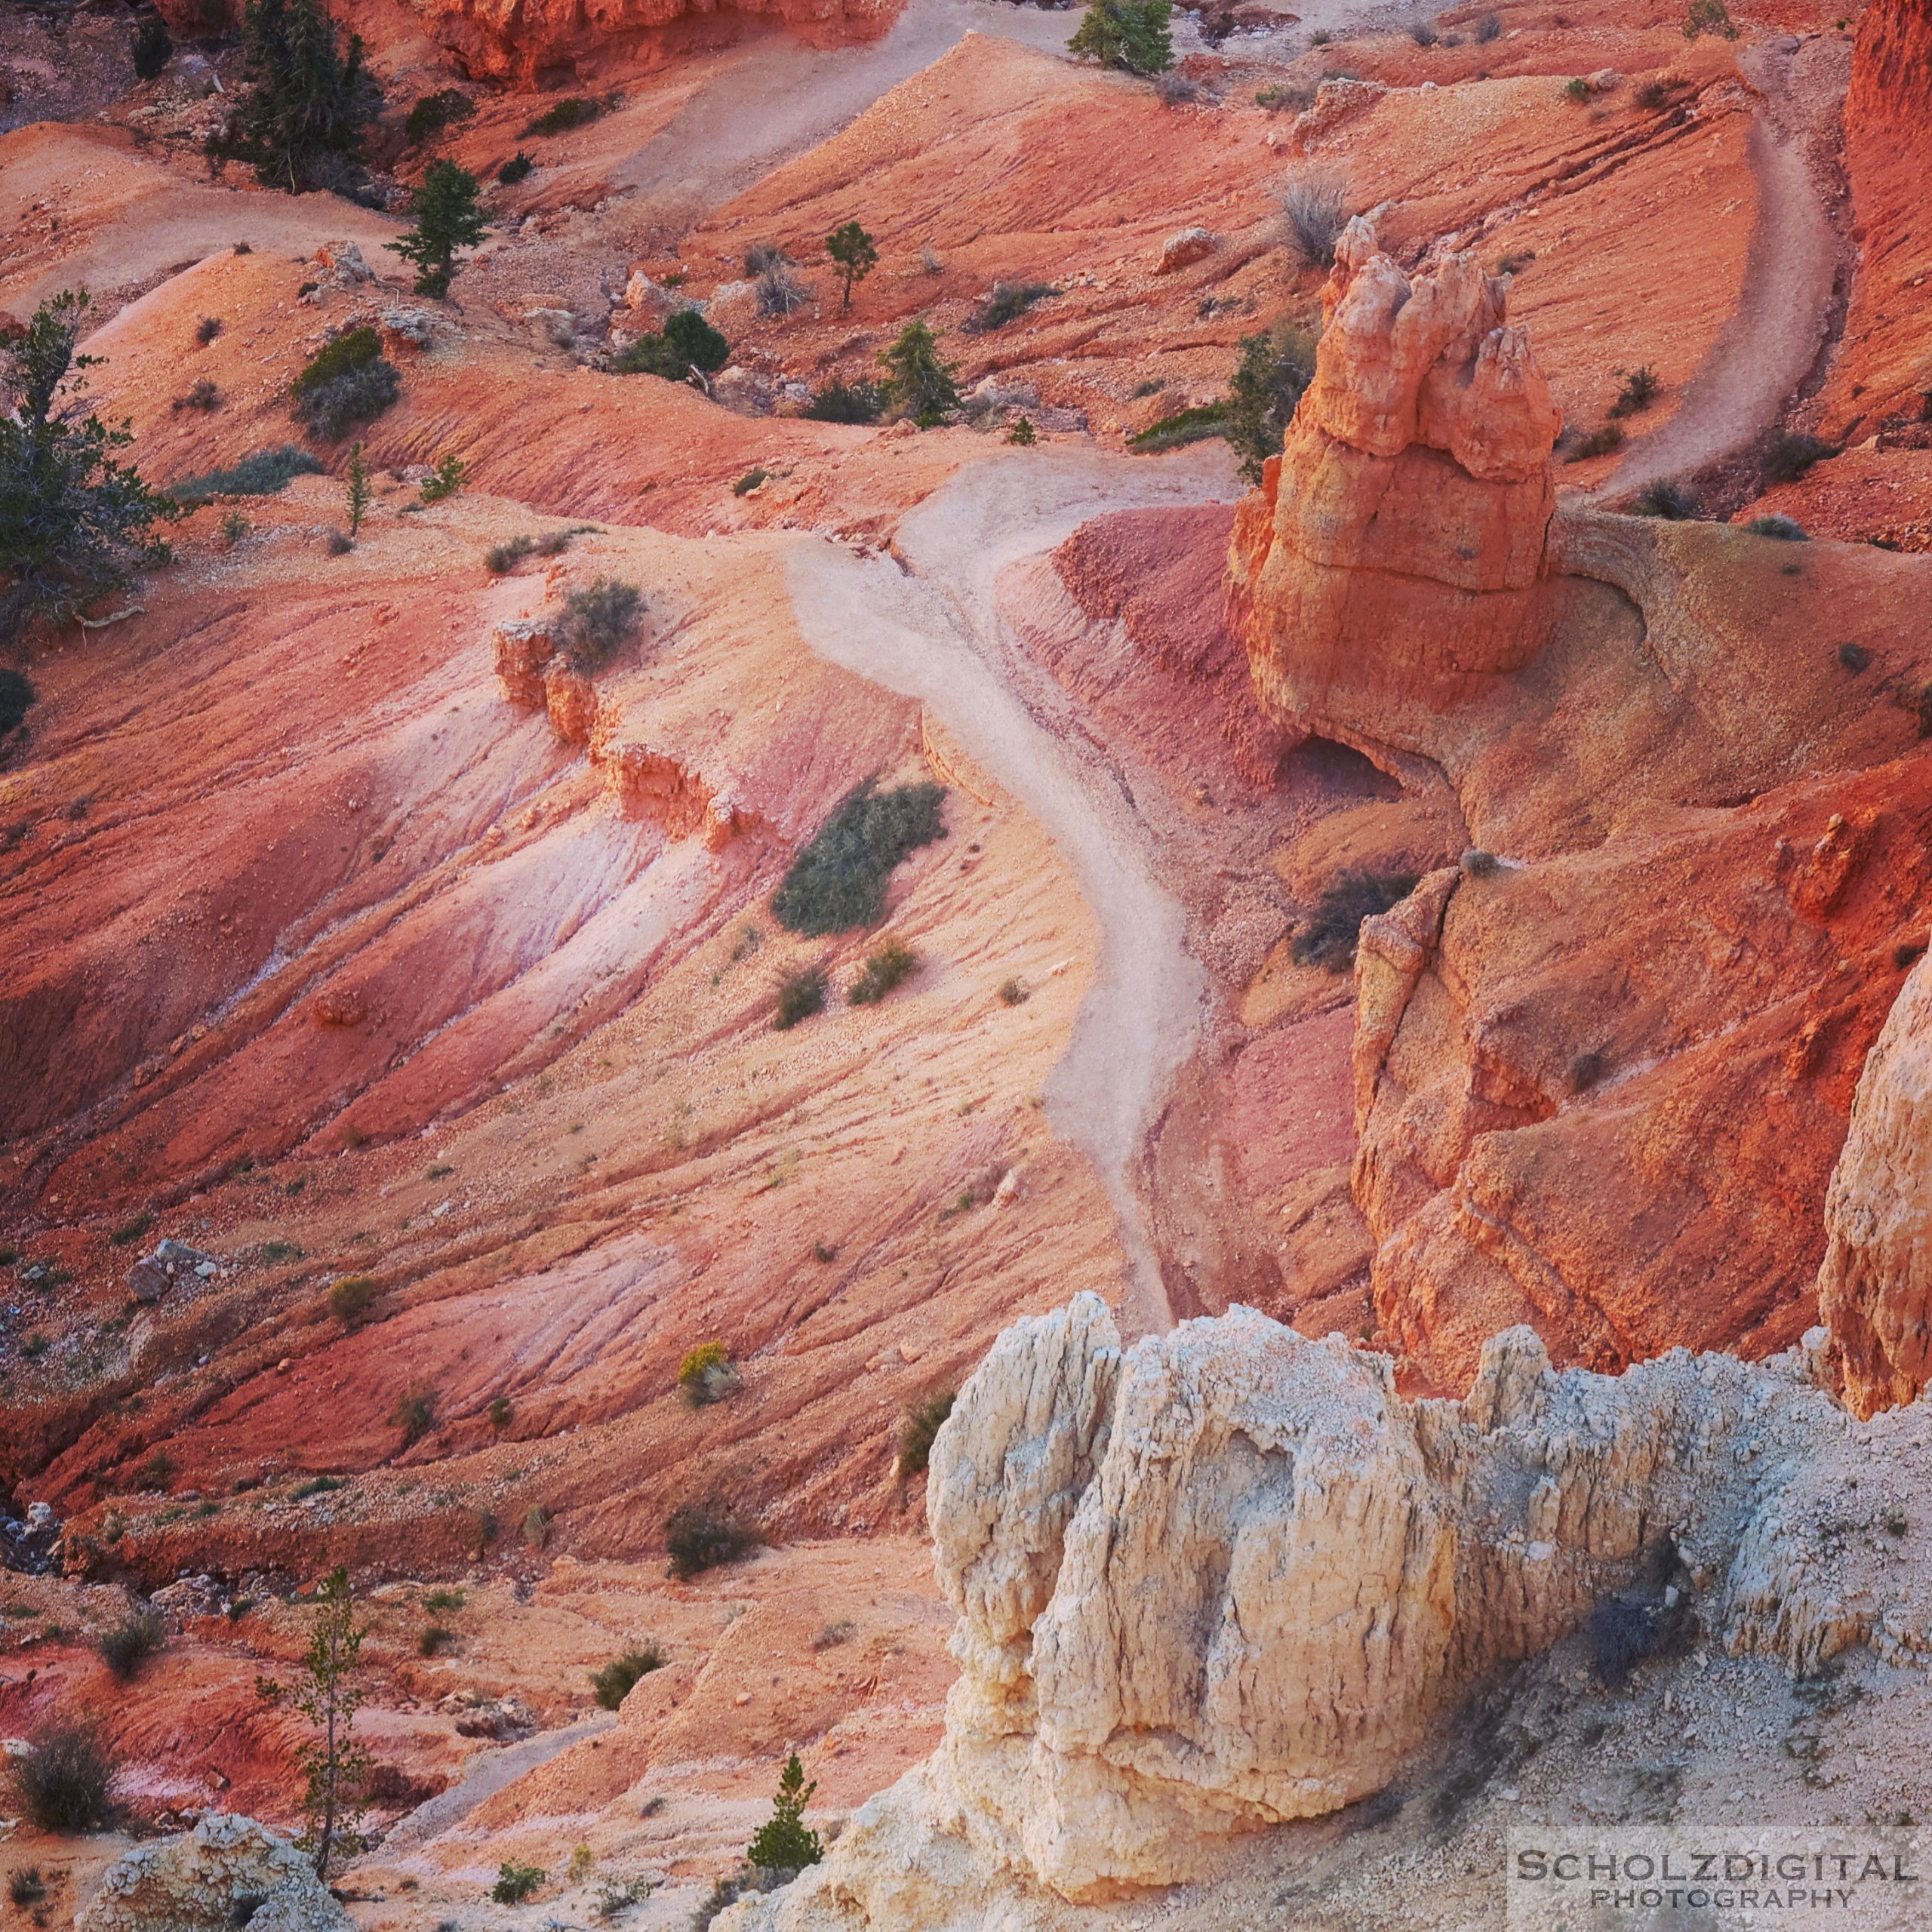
1226	1578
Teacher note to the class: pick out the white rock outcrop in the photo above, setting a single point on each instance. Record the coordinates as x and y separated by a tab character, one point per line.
1227	1577
227	1871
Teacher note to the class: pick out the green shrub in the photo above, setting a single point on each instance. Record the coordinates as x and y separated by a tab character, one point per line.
153	48
125	1647
130	1232
518	168
601	618
1666	498
686	341
438	1601
612	1684
1479	863
1130	35
1187	426
1488	29
887	966
266	473
749	481
846	402
515	1883
1854	657
784	1842
350	1297
922	1423
1783	529
415	1412
1023	433
1006	302
444	480
1708	17
1789	454
1274	369
17	696
25	1886
500	1412
1577	90
350	382
202	394
561	117
706	1374
701	1535
1597	442
64	1781
839	881
449	215
501	558
1424	33
1327	939
316	1486
156	1473
1637	392
433	113
434	1640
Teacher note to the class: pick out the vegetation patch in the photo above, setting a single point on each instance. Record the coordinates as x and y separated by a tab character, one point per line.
573	111
1006	302
858	401
703	1536
433	113
349	1299
350	382
601	618
686	341
800	995
1328	938
839	881
784	1842
64	1780
266	473
612	1684
515	1883
1185	425
922	1424
706	1375
1314	210
125	1647
888	965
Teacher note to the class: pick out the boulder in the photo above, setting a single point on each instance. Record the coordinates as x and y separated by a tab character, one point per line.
342	261
154	1274
1190	245
227	1871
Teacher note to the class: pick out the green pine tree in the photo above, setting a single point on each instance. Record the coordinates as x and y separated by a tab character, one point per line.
784	1843
1275	368
73	522
855	252
1129	34
305	103
359	492
335	1768
448	216
919	383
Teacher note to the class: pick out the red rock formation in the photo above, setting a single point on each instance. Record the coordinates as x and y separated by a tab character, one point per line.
520	39
1399	542
1876	1282
1881	371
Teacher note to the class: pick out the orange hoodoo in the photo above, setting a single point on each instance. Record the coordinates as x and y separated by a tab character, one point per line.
1395	553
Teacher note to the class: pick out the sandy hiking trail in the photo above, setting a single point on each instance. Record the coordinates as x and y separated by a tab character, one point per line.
926	626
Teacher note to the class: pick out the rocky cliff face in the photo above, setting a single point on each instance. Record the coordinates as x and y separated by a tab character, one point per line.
521	39
1875	1285
1399	541
1226	1577
1879	374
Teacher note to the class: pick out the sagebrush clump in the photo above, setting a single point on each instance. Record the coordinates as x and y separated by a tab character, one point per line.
888	965
1327	937
839	881
125	1647
701	1535
922	1423
1313	212
600	618
351	382
64	1780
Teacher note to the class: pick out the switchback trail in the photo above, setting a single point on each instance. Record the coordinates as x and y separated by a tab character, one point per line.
928	625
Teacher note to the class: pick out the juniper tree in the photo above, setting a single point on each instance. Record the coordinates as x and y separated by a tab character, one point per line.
784	1842
856	253
73	522
359	492
1129	34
